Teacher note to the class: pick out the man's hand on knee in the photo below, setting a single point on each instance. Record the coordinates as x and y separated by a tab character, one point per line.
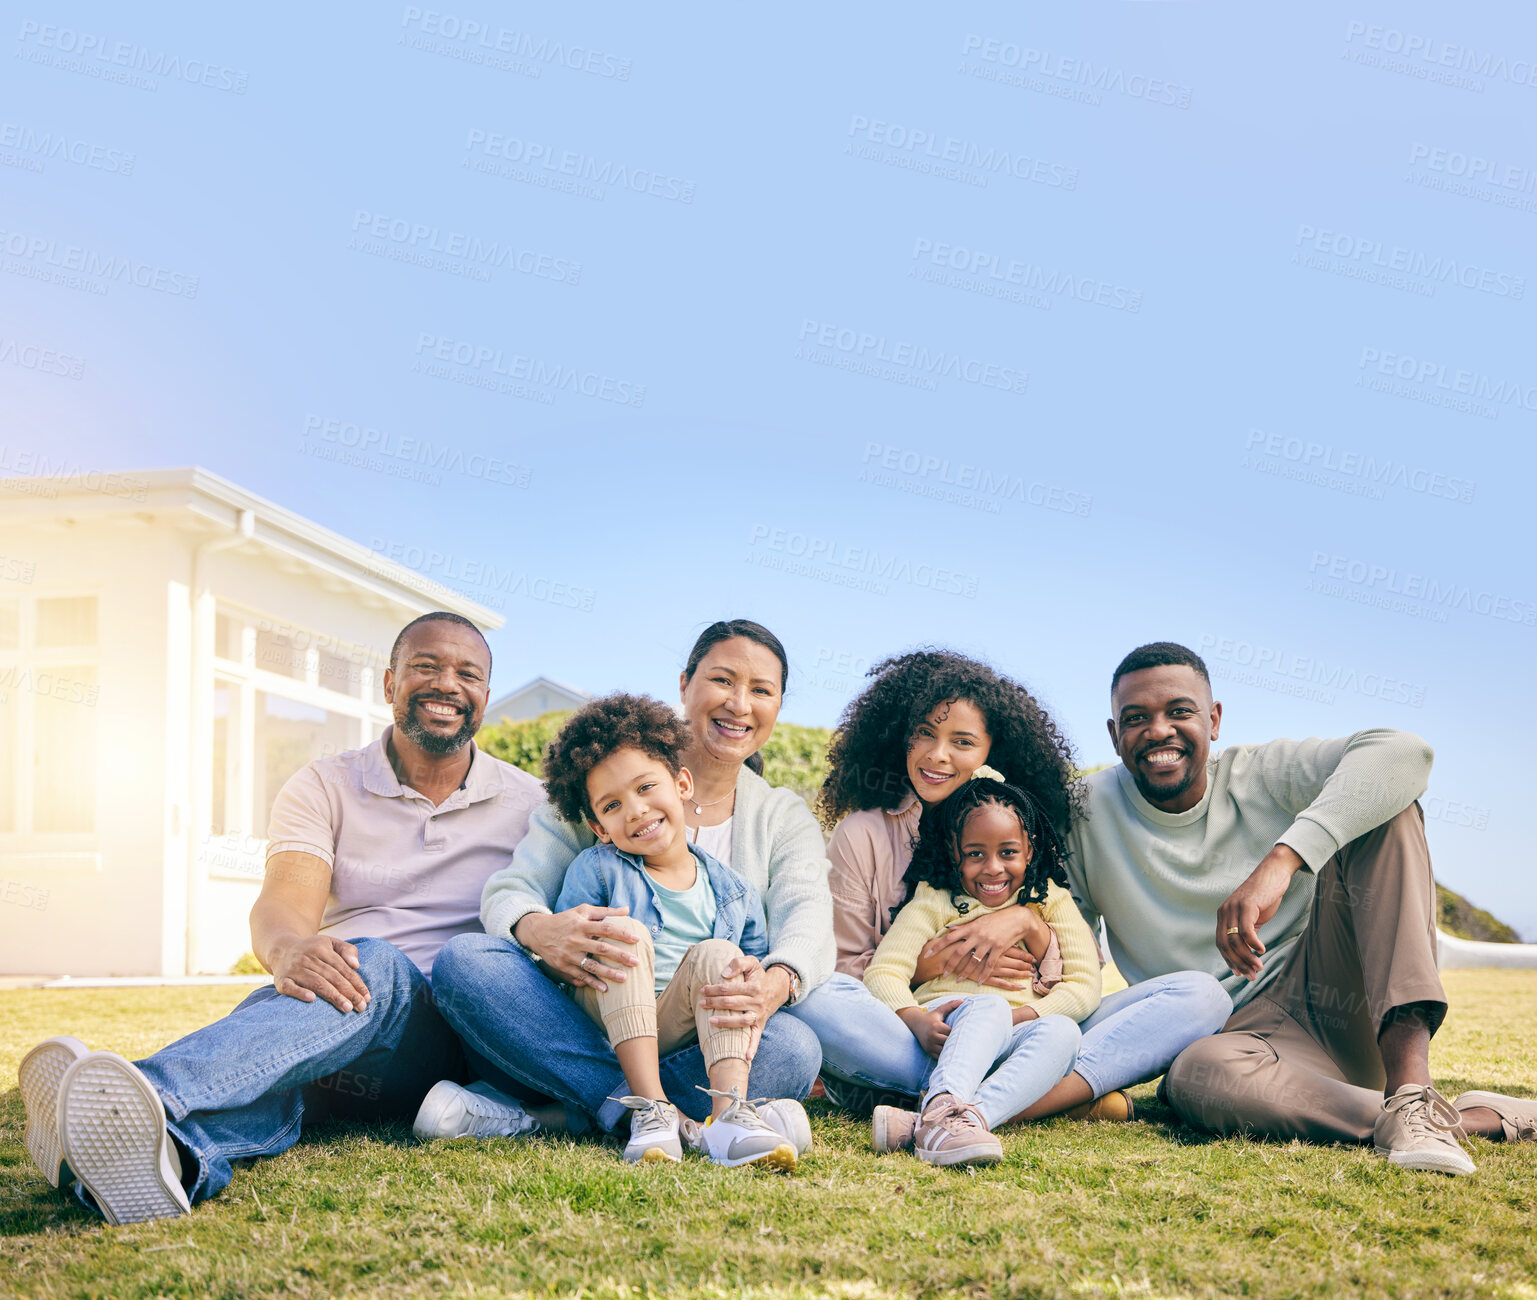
320	966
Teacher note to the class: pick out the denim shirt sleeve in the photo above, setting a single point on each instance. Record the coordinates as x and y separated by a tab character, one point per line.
754	926
585	881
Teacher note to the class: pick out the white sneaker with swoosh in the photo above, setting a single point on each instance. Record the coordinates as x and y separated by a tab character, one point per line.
739	1135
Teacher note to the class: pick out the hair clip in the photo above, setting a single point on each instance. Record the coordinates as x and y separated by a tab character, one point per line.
989	774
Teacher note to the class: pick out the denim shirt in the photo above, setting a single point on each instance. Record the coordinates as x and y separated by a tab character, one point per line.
609	877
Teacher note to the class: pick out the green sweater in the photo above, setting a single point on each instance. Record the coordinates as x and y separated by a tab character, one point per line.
1158	878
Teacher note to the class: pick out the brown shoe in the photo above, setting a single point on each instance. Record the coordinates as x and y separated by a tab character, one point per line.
953	1132
891	1129
1518	1115
1114	1106
1417	1130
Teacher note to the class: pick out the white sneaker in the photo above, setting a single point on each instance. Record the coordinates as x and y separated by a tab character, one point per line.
784	1115
451	1111
787	1117
653	1131
41	1073
113	1135
740	1136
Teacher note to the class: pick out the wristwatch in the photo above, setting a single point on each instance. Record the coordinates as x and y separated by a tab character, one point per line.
795	979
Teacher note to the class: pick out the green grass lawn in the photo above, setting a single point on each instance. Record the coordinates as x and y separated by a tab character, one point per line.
1143	1209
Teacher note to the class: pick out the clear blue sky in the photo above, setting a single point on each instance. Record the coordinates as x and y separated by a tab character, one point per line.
760	284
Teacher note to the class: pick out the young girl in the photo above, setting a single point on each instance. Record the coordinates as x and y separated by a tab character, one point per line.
989	846
924	724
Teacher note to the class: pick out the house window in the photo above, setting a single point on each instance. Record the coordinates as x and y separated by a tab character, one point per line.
283	696
289	735
49	690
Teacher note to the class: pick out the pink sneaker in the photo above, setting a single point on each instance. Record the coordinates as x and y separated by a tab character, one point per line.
891	1129
953	1132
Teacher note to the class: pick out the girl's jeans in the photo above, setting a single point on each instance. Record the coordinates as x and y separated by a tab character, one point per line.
999	1066
1133	1036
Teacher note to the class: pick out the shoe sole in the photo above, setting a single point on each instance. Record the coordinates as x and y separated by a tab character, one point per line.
112	1129
978	1155
435	1107
655	1156
782	1159
1430	1162
881	1132
42	1071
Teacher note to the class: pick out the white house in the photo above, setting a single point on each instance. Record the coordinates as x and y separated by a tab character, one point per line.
542	695
172	649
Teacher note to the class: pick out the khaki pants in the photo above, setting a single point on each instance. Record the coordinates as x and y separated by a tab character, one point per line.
1300	1060
673	1017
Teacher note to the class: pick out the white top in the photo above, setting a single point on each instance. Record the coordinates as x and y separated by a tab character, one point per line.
714	840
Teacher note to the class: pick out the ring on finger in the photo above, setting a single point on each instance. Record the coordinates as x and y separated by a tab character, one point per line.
582	965
1232	929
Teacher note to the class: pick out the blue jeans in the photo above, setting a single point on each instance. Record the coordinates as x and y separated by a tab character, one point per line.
999	1066
236	1088
1133	1037
521	1033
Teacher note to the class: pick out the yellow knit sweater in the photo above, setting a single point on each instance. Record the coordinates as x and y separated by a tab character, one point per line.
932	912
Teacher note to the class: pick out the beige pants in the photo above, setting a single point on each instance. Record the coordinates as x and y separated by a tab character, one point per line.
673	1017
1300	1060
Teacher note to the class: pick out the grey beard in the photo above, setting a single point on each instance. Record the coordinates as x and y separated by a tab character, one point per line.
430	741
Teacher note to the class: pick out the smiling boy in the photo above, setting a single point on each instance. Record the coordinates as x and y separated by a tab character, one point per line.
617	764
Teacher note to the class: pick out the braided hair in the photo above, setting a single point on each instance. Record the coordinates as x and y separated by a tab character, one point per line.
937	853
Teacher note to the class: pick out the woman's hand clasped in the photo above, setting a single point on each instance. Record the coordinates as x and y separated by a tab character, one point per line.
985	950
746	997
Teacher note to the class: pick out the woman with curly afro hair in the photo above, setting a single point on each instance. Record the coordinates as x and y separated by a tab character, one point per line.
925	723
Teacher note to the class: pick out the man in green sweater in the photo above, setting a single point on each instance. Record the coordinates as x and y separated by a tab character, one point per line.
1297	872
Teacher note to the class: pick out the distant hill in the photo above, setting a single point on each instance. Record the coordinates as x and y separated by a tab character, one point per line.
796	758
1458	917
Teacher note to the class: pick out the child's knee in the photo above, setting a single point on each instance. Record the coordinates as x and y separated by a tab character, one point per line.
713	956
633	928
985	1006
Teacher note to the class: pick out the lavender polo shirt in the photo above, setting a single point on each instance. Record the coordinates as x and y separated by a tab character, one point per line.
403	869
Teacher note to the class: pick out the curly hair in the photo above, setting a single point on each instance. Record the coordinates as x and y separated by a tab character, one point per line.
937	853
867	762
600	729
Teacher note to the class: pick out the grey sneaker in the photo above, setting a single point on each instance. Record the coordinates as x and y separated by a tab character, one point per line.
741	1136
952	1132
452	1111
653	1131
41	1073
892	1128
1418	1129
1518	1115
112	1130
